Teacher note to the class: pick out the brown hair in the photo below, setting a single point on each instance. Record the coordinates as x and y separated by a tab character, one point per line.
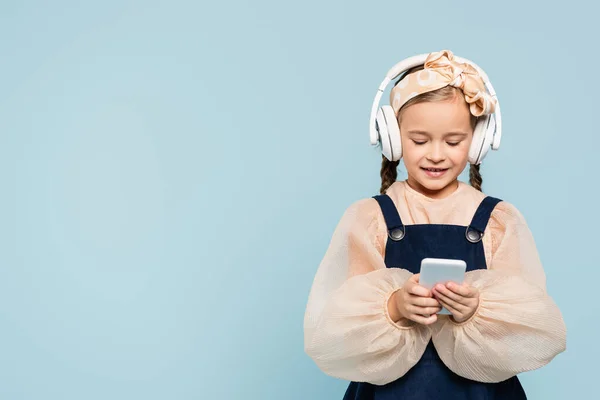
389	171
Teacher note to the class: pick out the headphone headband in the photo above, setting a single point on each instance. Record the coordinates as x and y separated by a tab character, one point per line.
420	59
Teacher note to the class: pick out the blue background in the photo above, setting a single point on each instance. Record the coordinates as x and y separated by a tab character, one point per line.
172	173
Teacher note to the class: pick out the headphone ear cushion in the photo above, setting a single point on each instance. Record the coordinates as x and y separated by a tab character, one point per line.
384	137
393	132
477	150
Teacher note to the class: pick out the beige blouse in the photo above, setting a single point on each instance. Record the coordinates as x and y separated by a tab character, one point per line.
347	328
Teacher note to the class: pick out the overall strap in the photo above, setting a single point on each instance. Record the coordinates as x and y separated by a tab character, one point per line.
394	224
481	218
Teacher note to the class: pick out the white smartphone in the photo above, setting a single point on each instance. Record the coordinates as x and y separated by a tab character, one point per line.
441	270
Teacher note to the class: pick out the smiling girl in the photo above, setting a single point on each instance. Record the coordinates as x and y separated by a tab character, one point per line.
369	321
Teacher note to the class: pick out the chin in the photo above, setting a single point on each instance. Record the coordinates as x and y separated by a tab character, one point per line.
435	185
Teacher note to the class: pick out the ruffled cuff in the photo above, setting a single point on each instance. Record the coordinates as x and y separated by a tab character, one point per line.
355	339
516	328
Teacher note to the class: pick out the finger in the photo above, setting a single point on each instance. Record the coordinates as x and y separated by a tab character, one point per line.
463	290
447	301
423	319
450	294
425	311
449	308
415	278
418	290
423	301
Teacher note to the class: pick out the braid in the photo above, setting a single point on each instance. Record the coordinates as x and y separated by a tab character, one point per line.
389	173
475	177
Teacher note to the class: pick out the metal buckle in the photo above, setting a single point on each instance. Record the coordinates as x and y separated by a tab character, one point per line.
473	235
396	234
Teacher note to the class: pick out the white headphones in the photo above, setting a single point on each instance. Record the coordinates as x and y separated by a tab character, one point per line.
384	129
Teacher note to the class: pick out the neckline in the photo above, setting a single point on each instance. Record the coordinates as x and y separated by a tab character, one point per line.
414	192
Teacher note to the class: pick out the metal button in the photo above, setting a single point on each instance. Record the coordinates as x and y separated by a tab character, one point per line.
396	234
474	236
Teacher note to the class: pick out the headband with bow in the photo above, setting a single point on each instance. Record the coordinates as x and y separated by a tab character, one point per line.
440	70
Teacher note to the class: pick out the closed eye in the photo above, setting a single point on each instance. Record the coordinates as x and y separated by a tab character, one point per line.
419	143
453	143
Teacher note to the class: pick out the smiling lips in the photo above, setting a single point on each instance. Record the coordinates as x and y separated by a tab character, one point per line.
434	172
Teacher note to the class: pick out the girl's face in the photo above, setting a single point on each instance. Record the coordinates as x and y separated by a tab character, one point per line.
436	137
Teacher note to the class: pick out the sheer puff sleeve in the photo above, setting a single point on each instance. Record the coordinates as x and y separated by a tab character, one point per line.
517	326
347	328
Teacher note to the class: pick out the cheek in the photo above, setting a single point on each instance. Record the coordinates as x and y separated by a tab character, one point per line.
460	154
412	153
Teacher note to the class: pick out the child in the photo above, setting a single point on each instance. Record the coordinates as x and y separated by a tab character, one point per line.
369	321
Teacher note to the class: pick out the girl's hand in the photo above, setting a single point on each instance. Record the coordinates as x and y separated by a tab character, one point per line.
414	302
461	300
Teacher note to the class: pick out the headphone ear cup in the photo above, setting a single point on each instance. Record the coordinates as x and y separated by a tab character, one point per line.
393	134
384	137
478	150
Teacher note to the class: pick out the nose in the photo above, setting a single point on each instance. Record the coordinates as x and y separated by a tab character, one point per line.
436	153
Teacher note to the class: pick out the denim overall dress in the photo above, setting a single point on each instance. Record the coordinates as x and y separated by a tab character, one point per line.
407	245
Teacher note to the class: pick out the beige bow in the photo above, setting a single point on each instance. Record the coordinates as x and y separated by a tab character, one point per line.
440	70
